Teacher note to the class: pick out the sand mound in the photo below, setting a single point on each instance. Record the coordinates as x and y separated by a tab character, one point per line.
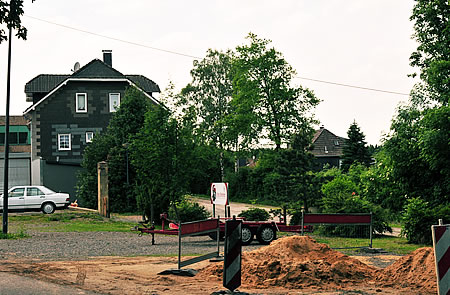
416	270
297	262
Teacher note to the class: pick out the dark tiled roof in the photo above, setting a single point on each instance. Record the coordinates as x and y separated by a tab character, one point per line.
97	69
44	83
145	83
326	144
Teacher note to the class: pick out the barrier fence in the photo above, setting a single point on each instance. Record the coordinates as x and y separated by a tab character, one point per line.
194	229
349	225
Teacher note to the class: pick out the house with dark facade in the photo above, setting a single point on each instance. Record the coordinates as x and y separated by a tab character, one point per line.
19	151
327	149
68	111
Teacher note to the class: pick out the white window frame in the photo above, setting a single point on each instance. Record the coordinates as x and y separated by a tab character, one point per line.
77	109
89	136
64	148
111	106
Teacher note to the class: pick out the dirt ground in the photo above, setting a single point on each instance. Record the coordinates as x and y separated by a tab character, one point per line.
291	265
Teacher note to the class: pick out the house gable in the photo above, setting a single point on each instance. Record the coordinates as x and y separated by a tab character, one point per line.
327	148
97	69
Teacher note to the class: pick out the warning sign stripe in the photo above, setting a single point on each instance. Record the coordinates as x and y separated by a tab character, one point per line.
232	261
441	243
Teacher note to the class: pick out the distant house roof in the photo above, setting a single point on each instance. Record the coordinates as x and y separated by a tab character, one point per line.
96	69
327	144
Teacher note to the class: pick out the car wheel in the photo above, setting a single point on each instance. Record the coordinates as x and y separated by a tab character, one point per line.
48	208
266	234
247	235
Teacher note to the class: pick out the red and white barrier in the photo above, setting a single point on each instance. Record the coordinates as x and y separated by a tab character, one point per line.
233	251
441	245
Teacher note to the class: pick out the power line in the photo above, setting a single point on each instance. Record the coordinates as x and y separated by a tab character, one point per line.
196	57
351	86
112	38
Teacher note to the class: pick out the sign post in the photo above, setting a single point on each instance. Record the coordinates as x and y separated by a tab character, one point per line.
219	196
233	250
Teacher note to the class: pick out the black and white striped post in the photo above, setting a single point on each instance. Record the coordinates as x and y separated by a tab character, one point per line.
233	250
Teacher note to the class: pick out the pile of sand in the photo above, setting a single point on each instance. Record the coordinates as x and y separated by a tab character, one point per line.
297	262
416	271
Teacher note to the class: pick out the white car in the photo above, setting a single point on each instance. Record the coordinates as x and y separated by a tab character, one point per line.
35	197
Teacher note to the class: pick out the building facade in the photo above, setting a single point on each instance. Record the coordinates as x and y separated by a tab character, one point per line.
68	111
19	151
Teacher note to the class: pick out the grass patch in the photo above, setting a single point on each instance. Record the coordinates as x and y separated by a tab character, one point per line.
394	245
68	222
21	234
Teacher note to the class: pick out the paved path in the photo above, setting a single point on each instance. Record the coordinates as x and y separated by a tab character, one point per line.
11	284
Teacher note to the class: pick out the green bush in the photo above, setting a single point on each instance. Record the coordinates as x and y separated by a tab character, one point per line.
418	217
189	211
340	197
255	214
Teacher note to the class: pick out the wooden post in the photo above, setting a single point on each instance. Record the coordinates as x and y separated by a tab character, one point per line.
103	199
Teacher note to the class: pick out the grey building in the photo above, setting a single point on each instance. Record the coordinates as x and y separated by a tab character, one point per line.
68	111
19	152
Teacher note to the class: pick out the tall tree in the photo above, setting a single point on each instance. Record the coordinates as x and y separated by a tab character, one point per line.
432	31
208	96
113	146
266	105
162	156
355	150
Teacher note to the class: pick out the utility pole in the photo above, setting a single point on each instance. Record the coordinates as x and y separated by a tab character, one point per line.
6	165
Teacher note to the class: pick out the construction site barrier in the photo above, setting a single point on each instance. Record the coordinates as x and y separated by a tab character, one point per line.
339	218
196	228
441	245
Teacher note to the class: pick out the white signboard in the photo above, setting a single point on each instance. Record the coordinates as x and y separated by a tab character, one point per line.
219	193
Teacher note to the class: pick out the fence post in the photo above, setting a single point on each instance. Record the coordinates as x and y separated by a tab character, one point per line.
179	245
303	217
371	230
103	198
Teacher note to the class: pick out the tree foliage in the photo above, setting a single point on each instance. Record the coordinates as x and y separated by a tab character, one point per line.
418	150
355	150
162	156
432	31
10	15
209	95
113	146
266	105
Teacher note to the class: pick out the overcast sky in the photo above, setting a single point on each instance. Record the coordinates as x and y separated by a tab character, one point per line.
355	42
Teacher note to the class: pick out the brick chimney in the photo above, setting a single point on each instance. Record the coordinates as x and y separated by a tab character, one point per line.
107	57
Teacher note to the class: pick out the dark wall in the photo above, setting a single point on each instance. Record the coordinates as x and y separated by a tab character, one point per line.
57	115
61	178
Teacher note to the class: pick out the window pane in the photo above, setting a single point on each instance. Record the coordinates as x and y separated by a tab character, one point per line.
33	191
2	138
23	138
18	192
64	141
89	136
13	138
114	101
81	102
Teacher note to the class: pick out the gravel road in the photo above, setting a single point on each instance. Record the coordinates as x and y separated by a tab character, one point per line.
82	245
